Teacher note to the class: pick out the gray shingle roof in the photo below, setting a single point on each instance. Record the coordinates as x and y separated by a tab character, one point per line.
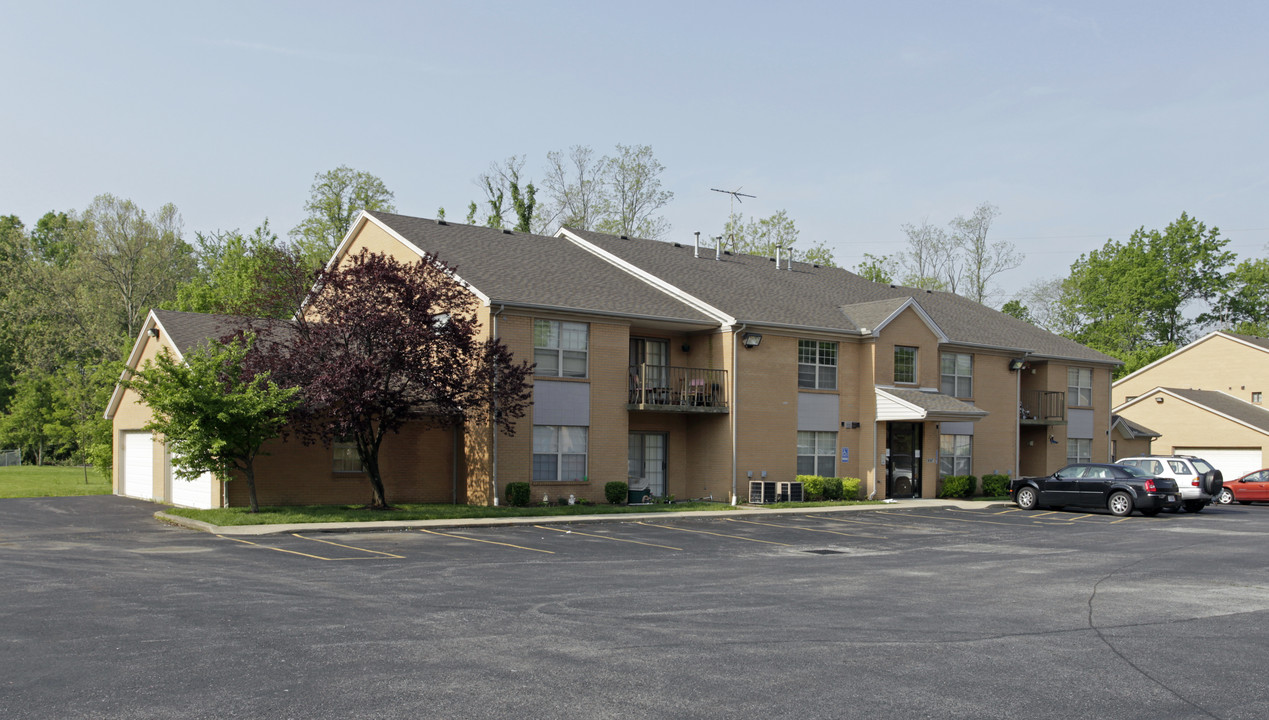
525	269
187	330
1257	341
754	291
1225	404
935	403
1134	430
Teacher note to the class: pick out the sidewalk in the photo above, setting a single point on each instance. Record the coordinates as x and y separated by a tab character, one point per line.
388	525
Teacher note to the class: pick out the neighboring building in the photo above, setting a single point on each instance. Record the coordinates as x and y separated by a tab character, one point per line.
1128	439
1205	399
687	372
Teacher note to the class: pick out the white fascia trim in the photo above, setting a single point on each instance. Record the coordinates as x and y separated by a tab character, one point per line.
921	313
151	321
917	410
364	217
1178	351
690	300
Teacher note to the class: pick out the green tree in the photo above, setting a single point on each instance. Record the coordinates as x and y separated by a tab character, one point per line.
1244	306
633	179
1130	297
26	424
252	275
214	413
762	236
878	269
1015	308
334	201
576	188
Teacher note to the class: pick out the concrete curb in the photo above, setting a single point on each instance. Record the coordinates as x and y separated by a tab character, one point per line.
397	525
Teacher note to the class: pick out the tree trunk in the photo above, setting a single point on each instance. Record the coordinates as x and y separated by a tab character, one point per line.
378	499
251	487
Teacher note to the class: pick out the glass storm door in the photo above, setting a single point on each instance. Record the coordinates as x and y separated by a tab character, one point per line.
647	463
903	459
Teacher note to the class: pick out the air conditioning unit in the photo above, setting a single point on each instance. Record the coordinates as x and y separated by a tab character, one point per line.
762	491
790	492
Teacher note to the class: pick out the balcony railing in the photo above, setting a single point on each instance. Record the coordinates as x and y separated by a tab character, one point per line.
677	389
1041	407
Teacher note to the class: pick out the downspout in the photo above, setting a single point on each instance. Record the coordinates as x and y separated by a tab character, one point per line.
735	349
1017	428
493	479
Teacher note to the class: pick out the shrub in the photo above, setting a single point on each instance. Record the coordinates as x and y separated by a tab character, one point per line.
812	486
617	492
832	488
957	486
850	488
995	485
517	494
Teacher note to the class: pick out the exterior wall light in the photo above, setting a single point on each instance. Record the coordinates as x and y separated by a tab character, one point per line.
750	340
154	332
1159	400
1016	364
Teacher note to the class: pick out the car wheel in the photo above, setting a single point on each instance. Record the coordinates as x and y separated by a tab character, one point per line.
1151	513
1194	506
1226	497
1027	498
1120	503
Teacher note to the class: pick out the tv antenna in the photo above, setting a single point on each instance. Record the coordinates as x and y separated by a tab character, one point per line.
735	198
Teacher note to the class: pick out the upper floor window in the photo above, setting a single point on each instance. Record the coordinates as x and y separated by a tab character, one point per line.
560	348
905	359
1079	387
817	365
1256	397
958	374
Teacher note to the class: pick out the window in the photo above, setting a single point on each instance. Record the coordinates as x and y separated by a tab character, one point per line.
817	453
1079	450
956	454
560	348
559	453
1079	387
817	365
904	364
346	458
1255	397
958	375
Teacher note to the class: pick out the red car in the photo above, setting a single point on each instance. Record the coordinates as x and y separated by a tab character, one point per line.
1250	488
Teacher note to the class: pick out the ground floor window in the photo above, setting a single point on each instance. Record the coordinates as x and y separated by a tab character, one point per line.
1079	450
559	453
956	455
346	458
817	453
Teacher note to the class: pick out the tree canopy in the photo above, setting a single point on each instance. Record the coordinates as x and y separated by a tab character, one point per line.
334	201
761	236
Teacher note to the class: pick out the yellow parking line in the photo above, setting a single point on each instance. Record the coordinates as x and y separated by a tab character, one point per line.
706	532
491	542
605	537
888	524
908	513
795	527
350	547
267	547
1044	514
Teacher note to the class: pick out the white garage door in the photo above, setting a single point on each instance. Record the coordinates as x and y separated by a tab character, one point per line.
1232	463
138	465
196	493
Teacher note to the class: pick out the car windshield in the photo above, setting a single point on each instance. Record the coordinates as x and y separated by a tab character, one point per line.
1135	471
1201	465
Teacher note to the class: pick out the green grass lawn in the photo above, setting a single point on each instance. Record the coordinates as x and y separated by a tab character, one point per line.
50	481
354	513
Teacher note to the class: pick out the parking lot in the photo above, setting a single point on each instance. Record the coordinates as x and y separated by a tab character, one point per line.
925	612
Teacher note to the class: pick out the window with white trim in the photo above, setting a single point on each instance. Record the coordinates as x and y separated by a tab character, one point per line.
1256	398
560	348
817	365
817	453
956	455
1079	450
905	359
345	457
559	453
957	370
1079	387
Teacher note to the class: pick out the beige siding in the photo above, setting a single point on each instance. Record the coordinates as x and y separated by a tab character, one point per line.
1213	363
1182	424
133	415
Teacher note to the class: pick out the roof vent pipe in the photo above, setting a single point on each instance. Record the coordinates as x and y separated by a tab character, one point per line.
718	247
790	263
697	252
777	257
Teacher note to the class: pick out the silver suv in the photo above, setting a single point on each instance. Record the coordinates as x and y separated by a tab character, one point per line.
1197	480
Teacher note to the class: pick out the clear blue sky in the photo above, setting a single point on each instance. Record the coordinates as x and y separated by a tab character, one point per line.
1081	120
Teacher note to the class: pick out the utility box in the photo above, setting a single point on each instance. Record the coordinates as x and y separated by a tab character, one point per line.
762	491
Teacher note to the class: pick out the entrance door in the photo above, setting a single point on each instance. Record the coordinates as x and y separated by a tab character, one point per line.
903	459
647	465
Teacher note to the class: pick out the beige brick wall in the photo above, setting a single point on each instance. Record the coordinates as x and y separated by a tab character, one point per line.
1214	363
996	391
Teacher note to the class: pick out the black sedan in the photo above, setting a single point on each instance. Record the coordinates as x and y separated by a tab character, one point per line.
1118	488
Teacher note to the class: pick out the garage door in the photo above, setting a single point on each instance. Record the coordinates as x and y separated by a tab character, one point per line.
196	493
1231	463
138	465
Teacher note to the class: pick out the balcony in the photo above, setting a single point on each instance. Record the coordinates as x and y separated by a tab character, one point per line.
660	388
1040	407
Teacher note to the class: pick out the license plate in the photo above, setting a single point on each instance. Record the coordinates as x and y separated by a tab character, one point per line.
1172	498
